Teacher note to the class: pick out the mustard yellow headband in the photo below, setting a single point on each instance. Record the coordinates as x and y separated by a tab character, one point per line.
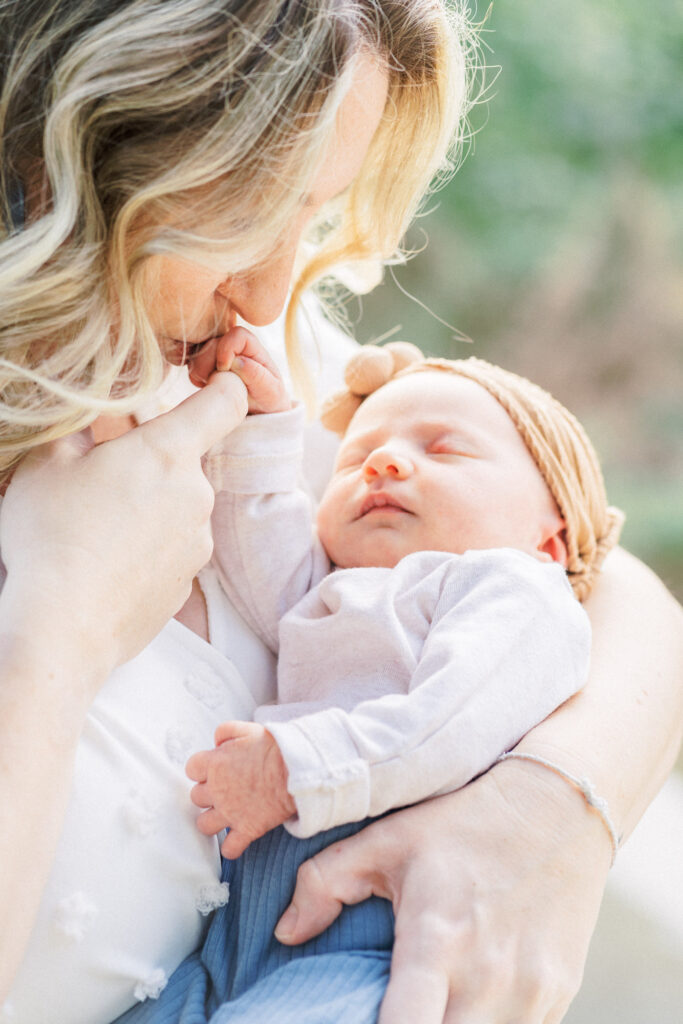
556	440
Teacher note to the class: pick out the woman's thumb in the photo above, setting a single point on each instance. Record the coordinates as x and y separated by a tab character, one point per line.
204	418
336	876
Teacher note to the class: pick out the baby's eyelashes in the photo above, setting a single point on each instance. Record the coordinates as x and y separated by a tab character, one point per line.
454	447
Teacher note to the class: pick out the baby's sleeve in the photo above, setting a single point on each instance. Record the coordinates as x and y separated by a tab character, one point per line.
266	553
508	643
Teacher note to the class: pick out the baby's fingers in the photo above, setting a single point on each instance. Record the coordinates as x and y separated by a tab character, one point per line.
267	392
201	796
234	730
240	342
234	844
211	822
197	766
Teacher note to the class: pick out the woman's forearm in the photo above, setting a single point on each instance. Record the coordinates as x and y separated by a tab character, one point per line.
624	729
497	887
42	707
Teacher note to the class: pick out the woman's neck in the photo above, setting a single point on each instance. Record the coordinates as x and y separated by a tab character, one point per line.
106	428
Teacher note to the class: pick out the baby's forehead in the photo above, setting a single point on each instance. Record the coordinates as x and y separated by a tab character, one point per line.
429	397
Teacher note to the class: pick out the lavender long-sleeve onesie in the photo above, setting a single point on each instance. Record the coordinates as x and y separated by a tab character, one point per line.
393	684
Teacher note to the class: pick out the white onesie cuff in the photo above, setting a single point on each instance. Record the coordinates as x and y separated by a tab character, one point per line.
262	455
328	780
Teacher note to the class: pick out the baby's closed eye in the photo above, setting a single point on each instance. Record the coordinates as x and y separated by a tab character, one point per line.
452	447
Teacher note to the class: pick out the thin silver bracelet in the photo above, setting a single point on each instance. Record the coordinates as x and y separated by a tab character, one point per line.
584	786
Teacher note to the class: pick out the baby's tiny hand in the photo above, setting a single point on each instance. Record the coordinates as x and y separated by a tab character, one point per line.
242	784
243	354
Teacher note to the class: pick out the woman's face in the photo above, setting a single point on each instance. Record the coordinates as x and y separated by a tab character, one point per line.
196	305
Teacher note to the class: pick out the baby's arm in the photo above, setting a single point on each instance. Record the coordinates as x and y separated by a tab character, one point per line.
508	643
265	552
242	784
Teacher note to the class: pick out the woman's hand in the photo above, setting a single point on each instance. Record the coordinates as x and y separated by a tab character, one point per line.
101	545
495	888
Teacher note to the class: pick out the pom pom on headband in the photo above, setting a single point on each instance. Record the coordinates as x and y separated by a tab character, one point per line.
367	370
556	440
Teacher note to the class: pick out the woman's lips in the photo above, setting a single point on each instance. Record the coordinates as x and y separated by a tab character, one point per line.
203	364
198	356
179	353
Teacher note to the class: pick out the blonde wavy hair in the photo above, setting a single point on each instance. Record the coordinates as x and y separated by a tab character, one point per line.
127	124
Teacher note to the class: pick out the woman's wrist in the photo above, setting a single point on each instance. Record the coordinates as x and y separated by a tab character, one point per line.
551	807
46	657
582	784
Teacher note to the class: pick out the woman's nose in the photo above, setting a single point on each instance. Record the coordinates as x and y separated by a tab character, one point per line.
387	462
259	296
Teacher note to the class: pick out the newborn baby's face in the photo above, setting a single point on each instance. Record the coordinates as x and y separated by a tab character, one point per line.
432	462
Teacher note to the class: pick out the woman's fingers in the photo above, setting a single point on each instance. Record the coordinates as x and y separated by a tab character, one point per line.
417	990
341	874
425	946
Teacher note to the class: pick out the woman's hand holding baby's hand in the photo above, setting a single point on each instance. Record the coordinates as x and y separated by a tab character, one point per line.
101	543
240	352
243	785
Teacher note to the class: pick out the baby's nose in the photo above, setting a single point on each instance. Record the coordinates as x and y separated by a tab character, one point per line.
384	462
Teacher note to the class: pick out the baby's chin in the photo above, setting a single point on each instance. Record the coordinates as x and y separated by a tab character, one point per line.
372	556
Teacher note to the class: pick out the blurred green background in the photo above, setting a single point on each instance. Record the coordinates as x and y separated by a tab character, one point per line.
557	246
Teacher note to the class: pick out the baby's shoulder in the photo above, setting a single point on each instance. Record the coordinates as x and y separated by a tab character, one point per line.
490	570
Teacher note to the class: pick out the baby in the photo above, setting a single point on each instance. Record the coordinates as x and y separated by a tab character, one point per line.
428	621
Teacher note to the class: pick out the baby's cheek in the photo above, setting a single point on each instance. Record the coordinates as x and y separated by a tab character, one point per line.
330	521
323	522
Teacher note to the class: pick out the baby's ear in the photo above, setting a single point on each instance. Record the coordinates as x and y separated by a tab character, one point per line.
553	543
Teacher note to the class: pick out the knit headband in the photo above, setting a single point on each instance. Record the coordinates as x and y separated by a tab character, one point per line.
556	440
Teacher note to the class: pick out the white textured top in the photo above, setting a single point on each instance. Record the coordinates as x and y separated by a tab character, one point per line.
393	684
133	879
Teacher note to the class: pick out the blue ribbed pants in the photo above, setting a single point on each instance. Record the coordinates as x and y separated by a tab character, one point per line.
243	975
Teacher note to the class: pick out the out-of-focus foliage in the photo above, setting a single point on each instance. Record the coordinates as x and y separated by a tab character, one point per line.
557	246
